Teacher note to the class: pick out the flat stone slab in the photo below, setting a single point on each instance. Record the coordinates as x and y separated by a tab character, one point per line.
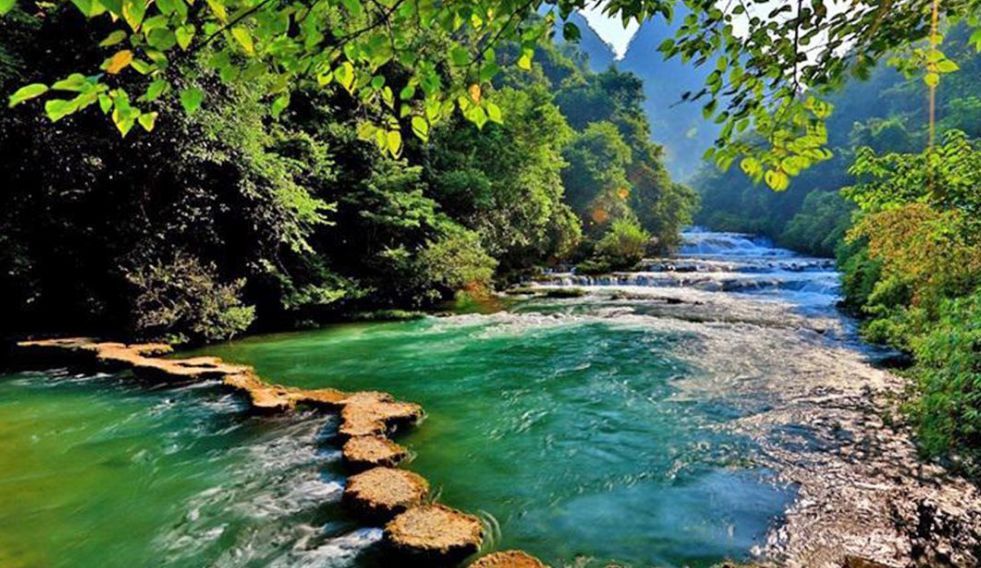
508	559
269	397
383	492
375	414
363	452
434	535
194	369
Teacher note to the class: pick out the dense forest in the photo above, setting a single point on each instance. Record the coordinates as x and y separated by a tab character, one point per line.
237	216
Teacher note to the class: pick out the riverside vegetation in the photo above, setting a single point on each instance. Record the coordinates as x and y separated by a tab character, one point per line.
902	220
230	217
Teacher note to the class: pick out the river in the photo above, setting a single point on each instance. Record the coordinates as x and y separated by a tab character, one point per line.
713	406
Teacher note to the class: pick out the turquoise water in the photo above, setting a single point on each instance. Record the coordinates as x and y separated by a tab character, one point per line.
619	427
97	472
566	435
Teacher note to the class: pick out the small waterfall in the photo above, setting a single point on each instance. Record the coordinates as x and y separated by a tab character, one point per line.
731	263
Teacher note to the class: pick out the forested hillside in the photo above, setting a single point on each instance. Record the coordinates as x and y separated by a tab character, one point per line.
239	215
886	112
679	126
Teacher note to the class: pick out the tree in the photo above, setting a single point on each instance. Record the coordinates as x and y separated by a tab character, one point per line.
359	45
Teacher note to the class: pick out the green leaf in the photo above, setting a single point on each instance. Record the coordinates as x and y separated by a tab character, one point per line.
191	99
494	113
394	141
184	35
345	75
114	38
570	32
244	39
947	66
123	120
218	9
524	62
366	131
931	79
105	103
26	93
133	12
162	39
459	56
352	6
6	6
148	120
57	109
280	104
75	82
488	71
420	128
155	89
777	180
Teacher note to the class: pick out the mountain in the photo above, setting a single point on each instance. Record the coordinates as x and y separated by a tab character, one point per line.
678	126
600	54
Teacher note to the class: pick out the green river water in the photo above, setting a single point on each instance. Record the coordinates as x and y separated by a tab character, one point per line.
584	431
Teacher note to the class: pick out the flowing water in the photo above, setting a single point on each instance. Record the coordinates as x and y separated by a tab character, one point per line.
713	406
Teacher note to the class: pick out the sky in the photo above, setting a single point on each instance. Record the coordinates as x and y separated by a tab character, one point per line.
610	29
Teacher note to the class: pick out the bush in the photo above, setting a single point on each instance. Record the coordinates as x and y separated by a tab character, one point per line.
819	227
455	261
183	301
949	372
623	245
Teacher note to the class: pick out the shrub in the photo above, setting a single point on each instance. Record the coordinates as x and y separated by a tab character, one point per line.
453	262
949	373
183	301
623	245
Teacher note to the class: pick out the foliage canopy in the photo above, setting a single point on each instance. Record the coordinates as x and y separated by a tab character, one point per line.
765	54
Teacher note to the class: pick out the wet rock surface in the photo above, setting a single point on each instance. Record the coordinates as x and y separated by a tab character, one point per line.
433	535
379	494
508	559
365	452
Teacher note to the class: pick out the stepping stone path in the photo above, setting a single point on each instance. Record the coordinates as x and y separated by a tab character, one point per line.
429	534
434	535
364	452
381	493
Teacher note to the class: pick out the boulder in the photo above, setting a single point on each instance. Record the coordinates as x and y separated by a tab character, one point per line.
508	559
433	535
383	492
375	414
363	452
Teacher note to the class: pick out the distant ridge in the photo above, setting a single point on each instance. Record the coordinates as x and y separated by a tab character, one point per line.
678	126
600	54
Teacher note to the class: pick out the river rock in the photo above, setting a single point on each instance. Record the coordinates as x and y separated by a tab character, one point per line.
433	535
508	559
269	397
88	352
383	492
193	369
375	414
364	452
